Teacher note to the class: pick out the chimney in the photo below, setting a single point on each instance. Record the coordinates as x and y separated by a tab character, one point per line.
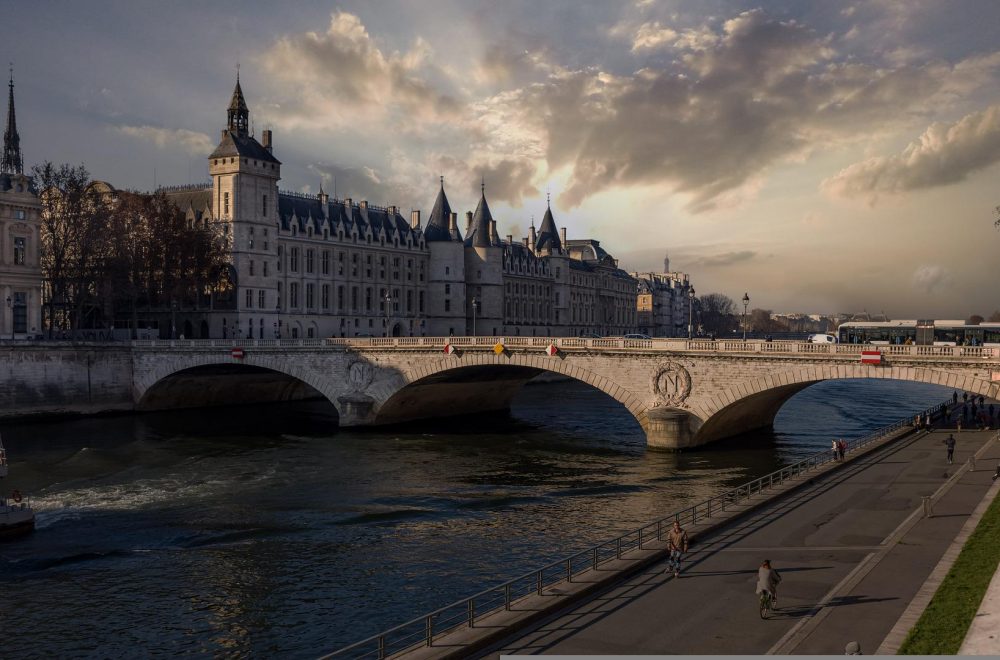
223	136
533	237
323	200
415	219
363	204
493	232
392	211
510	239
453	221
562	236
348	204
266	139
525	241
468	221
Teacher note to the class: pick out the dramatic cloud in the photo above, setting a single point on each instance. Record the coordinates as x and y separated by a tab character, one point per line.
944	154
191	142
761	92
342	76
930	278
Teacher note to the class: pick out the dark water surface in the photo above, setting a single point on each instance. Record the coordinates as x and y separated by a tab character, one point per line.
264	531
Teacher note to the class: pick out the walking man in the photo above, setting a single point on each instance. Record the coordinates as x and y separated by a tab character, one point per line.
950	444
677	544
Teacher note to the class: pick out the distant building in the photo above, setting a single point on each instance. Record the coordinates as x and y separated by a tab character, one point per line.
662	303
20	238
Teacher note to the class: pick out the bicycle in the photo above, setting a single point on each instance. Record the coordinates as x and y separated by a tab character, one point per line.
766	604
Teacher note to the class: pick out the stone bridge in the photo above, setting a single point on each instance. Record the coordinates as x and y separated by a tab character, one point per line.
682	392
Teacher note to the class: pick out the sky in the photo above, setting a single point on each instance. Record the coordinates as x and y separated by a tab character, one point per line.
821	157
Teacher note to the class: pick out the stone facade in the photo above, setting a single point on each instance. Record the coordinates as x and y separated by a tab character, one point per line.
308	266
662	303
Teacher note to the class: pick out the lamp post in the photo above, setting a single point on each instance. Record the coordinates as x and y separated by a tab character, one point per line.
475	308
690	314
173	319
388	301
746	303
277	321
10	313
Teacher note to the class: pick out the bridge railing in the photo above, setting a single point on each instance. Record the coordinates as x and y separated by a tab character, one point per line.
572	344
423	630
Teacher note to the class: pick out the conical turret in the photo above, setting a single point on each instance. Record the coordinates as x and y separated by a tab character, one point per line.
238	114
438	224
548	235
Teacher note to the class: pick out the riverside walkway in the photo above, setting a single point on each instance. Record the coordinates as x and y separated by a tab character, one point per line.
853	547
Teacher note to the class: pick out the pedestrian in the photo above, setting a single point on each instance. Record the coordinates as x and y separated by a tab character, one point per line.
835	449
927	421
965	397
841	448
677	545
954	397
981	400
950	443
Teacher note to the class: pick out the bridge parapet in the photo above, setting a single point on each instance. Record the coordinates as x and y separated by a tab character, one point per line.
572	344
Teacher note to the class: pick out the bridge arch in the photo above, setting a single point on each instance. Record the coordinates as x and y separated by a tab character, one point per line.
753	403
194	381
503	375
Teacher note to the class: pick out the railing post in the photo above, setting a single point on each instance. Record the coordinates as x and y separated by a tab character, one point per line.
618	550
640	538
596	559
381	647
709	509
569	569
472	611
659	530
539	580
506	596
429	629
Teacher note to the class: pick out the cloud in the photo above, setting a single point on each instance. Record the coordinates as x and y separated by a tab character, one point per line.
928	278
507	179
341	76
759	92
192	142
354	182
944	154
723	259
652	35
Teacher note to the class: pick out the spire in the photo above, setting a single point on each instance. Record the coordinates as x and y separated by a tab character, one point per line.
439	223
482	220
239	114
548	235
11	162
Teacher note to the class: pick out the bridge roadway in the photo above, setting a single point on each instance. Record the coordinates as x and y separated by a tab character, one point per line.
853	549
683	393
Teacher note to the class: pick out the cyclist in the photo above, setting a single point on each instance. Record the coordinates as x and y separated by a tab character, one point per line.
767	581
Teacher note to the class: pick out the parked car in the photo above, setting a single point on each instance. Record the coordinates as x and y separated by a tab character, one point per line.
822	338
637	335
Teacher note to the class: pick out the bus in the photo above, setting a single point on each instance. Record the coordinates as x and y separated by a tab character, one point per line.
923	332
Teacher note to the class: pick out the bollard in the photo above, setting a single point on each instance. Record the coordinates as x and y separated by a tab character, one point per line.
972	464
928	508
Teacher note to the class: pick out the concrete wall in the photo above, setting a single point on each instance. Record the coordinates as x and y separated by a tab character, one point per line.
59	378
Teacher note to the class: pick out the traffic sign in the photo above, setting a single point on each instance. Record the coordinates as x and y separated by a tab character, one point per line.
499	348
551	350
236	353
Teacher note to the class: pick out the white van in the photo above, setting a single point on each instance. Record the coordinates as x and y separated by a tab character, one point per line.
822	339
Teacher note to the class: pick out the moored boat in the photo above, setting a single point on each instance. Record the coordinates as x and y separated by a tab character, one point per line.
16	515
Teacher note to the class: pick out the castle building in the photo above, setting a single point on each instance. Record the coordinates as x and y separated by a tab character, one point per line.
313	266
20	238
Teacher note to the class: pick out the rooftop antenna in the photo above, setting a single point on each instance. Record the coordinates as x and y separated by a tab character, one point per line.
442	182
548	198
482	186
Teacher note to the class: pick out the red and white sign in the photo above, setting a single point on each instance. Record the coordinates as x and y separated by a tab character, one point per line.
551	350
448	349
237	353
871	357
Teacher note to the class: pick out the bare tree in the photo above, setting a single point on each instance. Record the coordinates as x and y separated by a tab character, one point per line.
994	317
975	319
718	313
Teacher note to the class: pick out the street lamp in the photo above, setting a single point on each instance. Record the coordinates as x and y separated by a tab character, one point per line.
690	315
388	301
10	313
746	303
173	319
475	308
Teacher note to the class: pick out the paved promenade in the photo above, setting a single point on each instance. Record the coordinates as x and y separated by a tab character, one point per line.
853	549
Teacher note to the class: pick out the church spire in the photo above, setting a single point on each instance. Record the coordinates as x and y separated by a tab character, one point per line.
11	162
239	114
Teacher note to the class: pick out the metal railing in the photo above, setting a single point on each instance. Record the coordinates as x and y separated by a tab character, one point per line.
577	344
423	630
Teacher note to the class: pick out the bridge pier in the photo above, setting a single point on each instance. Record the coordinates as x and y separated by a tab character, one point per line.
669	428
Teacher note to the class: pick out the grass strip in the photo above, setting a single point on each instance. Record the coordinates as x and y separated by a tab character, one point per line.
943	625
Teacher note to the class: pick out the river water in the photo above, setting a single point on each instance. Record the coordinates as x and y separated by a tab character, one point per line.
264	531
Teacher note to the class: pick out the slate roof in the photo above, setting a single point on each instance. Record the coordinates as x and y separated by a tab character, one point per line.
479	234
197	199
246	146
548	235
301	211
437	228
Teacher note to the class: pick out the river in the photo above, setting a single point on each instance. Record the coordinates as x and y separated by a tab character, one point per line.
264	531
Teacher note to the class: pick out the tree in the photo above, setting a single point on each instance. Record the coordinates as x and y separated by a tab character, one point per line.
994	317
975	319
718	313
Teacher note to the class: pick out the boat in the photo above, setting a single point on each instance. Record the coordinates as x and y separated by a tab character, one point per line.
17	518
